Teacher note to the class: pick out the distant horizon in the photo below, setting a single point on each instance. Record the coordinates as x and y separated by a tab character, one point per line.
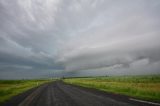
54	77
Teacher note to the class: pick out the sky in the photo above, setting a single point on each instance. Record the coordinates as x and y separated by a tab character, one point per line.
45	38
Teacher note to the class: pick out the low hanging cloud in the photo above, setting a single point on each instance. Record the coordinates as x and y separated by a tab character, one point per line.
76	38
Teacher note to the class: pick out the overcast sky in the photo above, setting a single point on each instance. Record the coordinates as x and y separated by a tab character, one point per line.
43	38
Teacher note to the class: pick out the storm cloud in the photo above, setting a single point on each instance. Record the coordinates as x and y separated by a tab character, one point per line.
41	38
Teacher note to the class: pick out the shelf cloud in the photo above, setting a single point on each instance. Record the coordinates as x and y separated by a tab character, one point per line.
43	38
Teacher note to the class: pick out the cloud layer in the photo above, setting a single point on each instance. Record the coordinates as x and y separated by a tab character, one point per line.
85	37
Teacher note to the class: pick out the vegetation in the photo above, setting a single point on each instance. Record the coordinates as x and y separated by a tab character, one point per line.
142	87
9	88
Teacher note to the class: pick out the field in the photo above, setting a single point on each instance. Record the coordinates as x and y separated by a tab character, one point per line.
9	88
141	87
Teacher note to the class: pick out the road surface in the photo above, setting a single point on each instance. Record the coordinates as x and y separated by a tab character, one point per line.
60	94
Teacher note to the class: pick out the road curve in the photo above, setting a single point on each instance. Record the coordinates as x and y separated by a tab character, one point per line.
60	94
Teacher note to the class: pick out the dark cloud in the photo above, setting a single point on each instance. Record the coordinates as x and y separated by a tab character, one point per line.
74	38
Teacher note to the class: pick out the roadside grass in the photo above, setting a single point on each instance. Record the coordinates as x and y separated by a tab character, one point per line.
10	88
142	87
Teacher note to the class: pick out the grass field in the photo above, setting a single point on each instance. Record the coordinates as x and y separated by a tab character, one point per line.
9	88
142	87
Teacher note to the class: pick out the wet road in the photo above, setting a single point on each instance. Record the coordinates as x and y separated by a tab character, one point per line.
60	94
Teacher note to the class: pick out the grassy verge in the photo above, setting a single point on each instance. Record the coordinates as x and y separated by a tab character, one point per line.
142	87
10	88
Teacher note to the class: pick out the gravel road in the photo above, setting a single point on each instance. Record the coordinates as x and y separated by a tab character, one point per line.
60	94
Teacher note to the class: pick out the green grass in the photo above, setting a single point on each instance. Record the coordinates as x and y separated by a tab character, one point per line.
10	88
142	87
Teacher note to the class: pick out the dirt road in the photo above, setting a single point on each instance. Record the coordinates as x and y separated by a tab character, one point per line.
61	94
